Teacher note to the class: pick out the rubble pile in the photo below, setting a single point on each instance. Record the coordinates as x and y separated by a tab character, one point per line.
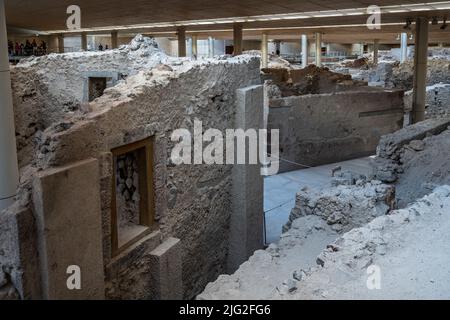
347	206
360	63
275	62
377	221
402	76
405	248
415	159
310	80
165	94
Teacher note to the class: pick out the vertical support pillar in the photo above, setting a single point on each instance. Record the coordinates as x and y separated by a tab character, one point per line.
210	47
181	41
403	47
318	49
60	43
237	36
420	70
9	172
194	47
247	217
114	40
304	50
84	41
264	51
52	44
376	45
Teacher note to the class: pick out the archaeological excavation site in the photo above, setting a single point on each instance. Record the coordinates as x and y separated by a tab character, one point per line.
239	150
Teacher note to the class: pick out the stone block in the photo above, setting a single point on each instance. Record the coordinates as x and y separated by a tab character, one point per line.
67	208
128	274
166	271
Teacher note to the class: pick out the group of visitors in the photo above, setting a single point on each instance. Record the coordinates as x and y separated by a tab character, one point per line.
101	48
27	49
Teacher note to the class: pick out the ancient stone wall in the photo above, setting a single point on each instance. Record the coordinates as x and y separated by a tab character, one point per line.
328	128
47	89
192	203
310	80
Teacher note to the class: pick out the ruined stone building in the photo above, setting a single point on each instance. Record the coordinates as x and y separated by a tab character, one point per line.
224	152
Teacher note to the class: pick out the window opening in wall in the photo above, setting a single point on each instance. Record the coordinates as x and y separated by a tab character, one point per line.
132	207
97	87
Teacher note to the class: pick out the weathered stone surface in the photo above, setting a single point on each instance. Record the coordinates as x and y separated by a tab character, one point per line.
346	206
192	203
329	128
49	89
247	218
67	203
19	264
272	269
129	276
309	80
391	244
391	143
397	150
166	271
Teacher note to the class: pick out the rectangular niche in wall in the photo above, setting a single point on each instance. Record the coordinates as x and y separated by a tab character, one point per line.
132	207
97	86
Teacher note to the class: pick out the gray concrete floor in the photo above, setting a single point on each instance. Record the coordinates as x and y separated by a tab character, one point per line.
280	191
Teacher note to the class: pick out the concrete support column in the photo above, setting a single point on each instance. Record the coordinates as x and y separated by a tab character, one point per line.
60	43
403	47
247	216
194	47
304	50
181	41
9	172
376	45
114	40
264	51
52	44
318	49
210	47
237	37
84	42
420	70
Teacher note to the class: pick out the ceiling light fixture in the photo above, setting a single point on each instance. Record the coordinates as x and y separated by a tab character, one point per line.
443	5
